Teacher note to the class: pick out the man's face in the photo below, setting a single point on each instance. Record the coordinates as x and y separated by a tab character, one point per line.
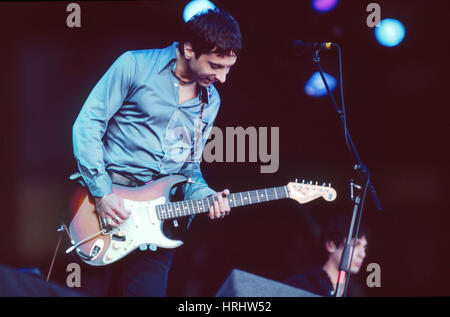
210	68
358	255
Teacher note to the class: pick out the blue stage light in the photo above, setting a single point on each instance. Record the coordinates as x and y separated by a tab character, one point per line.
324	5
390	32
315	86
196	6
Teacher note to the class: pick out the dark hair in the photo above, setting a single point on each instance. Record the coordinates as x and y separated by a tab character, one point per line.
337	229
212	29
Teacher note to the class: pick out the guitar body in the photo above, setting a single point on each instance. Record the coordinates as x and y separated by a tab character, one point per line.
141	228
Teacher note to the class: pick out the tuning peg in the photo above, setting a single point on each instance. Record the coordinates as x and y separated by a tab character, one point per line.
323	184
303	181
296	180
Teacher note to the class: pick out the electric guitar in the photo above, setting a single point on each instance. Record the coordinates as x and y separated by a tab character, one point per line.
99	244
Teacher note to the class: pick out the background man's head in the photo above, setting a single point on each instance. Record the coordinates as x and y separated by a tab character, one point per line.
334	238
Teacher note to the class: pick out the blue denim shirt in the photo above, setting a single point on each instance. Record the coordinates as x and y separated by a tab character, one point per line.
132	124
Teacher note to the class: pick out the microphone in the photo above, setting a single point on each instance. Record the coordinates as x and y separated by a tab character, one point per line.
300	47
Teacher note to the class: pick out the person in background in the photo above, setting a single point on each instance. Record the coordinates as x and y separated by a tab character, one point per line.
322	280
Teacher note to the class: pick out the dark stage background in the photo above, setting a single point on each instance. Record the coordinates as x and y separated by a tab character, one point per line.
397	107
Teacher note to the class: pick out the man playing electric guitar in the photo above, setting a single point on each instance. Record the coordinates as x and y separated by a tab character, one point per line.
128	133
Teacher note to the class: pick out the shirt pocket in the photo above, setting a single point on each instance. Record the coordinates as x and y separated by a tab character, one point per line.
177	142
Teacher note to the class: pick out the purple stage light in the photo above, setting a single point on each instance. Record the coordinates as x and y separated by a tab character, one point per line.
324	5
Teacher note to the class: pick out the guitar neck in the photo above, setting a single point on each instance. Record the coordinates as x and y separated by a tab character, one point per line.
198	206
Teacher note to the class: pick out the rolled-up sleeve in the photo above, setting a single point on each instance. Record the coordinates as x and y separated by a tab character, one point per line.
198	189
91	124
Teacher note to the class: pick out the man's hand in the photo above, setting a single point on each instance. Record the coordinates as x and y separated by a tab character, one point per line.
221	207
111	209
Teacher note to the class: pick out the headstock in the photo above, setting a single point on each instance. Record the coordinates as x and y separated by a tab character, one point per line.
305	192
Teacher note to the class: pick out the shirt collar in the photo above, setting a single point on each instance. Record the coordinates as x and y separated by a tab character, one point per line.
167	56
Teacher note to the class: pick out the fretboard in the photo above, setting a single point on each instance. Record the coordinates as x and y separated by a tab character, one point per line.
198	206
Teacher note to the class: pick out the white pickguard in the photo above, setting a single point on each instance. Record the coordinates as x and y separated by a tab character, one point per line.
142	228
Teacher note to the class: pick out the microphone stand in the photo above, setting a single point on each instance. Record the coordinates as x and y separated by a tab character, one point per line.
345	265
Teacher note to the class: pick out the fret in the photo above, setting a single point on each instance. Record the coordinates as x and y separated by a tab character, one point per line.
162	212
183	207
257	197
280	191
275	191
179	208
234	198
285	189
265	190
242	200
173	209
210	201
193	208
186	208
185	204
203	206
249	197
